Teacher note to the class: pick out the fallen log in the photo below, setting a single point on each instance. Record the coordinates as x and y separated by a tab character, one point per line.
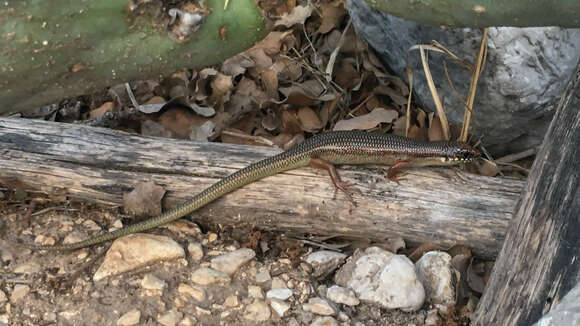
540	259
441	206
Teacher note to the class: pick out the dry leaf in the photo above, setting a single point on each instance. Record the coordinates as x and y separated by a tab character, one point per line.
395	96
180	121
247	97
154	129
435	131
272	42
203	132
237	65
421	250
144	200
221	87
309	120
270	82
487	168
290	123
288	69
105	107
394	244
399	126
332	15
346	75
367	121
298	15
271	121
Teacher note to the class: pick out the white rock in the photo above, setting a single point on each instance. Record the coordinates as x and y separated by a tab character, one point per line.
211	237
280	293
231	261
324	261
2	296
187	321
382	278
324	321
49	316
206	276
27	268
278	283
4	320
263	276
254	291
279	306
135	251
195	250
19	292
151	282
130	318
439	278
195	292
319	306
339	294
170	318
257	311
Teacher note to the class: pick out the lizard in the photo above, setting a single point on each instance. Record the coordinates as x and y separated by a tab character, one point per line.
320	151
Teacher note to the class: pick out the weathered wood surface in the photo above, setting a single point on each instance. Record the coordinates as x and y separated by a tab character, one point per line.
540	259
441	205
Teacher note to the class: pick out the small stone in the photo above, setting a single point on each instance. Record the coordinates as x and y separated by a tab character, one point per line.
257	311
91	225
324	321
280	293
279	306
278	283
432	318
339	294
49	316
439	278
231	301
151	282
324	261
6	256
27	268
319	306
130	318
187	321
253	292
44	240
211	237
4	320
263	275
231	261
170	318
196	292
118	224
19	292
206	276
195	250
135	251
2	296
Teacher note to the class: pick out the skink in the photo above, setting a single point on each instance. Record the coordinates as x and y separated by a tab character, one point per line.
320	151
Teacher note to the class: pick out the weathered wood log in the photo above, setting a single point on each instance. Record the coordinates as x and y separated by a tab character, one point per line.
441	206
540	259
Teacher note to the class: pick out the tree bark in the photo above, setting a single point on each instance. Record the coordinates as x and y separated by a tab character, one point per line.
540	260
441	206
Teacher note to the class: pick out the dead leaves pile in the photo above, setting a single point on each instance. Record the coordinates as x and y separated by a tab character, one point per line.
310	74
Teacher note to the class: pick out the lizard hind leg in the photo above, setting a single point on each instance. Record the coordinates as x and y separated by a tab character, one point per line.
338	183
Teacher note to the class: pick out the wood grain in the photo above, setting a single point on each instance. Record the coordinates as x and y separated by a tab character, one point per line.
442	206
540	259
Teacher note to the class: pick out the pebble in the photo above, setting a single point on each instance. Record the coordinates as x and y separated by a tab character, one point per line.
6	256
278	283
279	293
187	321
2	296
263	275
279	306
211	237
135	251
258	311
170	318
206	276
432	318
19	292
91	225
324	261
152	282
254	291
319	306
382	278
439	278
44	240
324	321
49	316
130	318
231	301
195	250
27	268
230	262
339	294
196	292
